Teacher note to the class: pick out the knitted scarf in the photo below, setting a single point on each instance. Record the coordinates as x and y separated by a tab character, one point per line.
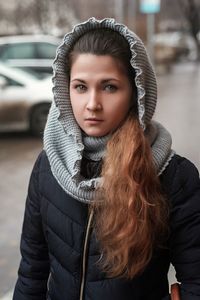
64	142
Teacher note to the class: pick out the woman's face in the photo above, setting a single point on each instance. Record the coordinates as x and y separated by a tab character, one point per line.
100	93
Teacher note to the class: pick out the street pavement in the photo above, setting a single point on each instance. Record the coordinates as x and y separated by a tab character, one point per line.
178	109
17	154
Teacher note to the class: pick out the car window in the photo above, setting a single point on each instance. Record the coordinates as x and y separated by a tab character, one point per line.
2	48
10	81
19	51
46	50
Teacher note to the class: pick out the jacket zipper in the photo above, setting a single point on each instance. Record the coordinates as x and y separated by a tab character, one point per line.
84	254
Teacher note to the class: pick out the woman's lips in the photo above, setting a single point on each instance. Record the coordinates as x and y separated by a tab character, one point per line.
93	121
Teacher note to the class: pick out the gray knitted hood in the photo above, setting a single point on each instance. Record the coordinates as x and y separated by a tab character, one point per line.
63	141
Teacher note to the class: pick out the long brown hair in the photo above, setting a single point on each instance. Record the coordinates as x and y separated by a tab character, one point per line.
132	217
132	214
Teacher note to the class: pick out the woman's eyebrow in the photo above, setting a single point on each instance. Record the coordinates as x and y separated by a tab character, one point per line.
77	79
109	79
102	81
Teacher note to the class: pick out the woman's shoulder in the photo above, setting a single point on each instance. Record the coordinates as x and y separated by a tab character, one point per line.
178	166
41	163
181	177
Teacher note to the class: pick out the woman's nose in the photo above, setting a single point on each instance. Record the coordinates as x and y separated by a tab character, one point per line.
94	101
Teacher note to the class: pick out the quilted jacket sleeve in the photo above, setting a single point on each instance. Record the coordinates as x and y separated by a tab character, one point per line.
34	267
185	229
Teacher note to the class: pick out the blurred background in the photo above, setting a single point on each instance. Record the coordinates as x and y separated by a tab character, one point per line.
30	32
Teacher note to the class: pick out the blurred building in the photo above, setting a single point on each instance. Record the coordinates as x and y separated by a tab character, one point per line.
32	16
58	16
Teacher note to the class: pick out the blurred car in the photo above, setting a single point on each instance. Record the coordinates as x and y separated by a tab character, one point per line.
34	53
177	44
24	101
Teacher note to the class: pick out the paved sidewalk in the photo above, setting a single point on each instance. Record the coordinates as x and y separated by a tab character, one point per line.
179	108
17	155
8	296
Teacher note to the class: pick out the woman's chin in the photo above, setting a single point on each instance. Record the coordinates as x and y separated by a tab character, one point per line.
95	133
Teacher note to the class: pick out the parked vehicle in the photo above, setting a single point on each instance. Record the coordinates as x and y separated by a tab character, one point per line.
176	41
33	53
24	101
170	47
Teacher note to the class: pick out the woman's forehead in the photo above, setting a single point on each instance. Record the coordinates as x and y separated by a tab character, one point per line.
91	63
103	67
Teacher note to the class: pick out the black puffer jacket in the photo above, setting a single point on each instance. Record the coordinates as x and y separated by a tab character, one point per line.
56	240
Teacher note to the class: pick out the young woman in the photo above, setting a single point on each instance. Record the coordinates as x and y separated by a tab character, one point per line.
110	204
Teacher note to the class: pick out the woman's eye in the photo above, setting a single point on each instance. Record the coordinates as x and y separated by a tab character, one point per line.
80	88
110	88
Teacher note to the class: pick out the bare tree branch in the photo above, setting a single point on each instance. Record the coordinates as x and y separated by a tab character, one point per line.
191	11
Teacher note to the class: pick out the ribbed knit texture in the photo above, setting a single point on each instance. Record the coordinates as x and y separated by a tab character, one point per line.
63	139
94	148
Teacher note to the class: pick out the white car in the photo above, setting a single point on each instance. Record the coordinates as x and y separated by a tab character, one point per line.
33	53
180	44
24	101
